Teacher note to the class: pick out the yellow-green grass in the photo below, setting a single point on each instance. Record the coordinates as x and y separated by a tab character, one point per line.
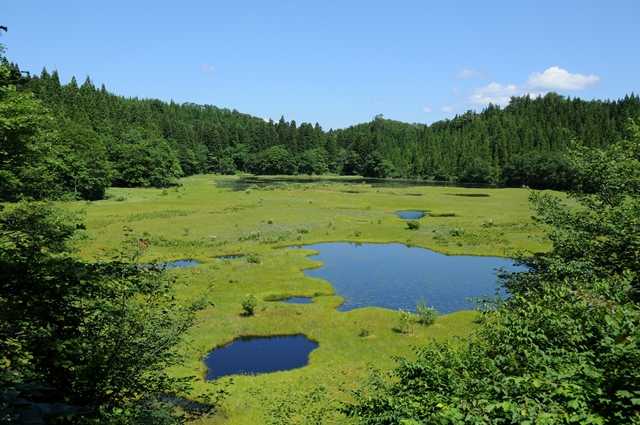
199	220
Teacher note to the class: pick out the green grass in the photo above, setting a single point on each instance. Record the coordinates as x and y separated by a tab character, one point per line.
199	220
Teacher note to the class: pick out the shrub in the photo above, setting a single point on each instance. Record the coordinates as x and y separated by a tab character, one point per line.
249	304
426	315
251	236
404	323
488	223
413	225
253	259
458	231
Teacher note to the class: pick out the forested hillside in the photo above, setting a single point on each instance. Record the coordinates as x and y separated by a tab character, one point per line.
516	145
83	138
204	138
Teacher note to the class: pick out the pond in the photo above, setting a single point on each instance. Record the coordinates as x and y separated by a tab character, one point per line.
297	300
252	355
397	276
411	214
243	183
176	264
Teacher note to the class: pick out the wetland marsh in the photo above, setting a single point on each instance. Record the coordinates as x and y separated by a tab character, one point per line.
206	220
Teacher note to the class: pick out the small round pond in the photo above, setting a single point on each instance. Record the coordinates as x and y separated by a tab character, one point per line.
397	276
252	355
411	214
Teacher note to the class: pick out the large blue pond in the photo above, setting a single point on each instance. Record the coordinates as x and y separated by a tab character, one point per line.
396	276
254	355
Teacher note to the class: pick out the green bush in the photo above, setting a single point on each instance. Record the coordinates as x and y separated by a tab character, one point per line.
456	232
249	304
413	225
404	322
426	315
253	259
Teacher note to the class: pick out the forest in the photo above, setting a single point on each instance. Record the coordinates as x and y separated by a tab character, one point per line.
81	139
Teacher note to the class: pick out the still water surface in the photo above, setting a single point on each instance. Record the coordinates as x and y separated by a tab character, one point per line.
254	355
411	214
397	276
298	300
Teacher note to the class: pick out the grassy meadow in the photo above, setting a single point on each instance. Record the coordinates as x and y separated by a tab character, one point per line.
202	221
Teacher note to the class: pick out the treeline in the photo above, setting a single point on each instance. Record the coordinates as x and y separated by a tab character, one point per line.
81	139
194	138
76	140
521	144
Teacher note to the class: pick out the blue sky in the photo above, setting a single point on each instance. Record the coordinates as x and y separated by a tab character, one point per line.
334	62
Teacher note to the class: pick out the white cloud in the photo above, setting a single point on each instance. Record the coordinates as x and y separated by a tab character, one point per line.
495	93
207	68
427	109
538	84
447	108
467	73
556	78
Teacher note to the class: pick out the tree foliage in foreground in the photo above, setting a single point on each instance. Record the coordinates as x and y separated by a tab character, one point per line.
565	347
82	342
